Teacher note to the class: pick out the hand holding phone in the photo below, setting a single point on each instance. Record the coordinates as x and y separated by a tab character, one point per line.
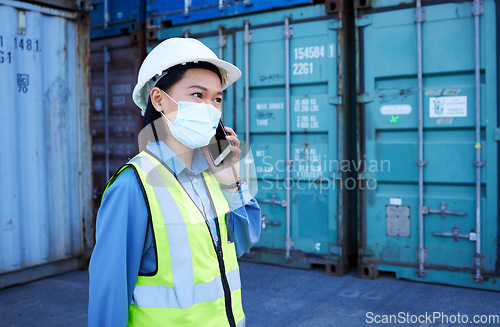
219	146
223	155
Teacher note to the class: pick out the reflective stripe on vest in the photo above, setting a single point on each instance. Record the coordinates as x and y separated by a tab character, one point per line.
187	288
165	297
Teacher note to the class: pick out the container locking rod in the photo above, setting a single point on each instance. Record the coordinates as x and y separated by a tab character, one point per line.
456	234
419	19
273	202
443	211
266	222
477	11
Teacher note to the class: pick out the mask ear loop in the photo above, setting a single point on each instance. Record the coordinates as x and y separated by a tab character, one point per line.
159	147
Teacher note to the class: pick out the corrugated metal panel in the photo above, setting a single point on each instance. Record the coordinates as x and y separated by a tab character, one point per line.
111	18
164	13
124	120
46	207
315	217
390	226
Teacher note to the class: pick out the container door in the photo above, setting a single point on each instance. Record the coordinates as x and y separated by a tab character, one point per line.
390	220
313	218
45	142
316	236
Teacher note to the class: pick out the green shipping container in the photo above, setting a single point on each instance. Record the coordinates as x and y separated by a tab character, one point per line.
291	104
427	127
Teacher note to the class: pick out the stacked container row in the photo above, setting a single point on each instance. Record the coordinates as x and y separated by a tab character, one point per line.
46	222
116	120
413	129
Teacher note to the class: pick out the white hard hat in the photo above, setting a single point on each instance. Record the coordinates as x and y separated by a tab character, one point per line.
175	51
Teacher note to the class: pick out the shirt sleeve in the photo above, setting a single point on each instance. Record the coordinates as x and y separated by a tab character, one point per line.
121	229
244	220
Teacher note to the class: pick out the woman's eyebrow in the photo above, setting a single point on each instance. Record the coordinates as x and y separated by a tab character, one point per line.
201	88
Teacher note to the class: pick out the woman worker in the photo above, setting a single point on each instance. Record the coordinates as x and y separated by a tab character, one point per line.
171	223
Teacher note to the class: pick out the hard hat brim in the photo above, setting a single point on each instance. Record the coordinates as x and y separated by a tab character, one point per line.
229	73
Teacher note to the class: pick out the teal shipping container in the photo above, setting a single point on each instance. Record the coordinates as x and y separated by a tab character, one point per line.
292	106
428	133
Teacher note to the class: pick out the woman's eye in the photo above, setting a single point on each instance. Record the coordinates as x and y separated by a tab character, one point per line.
198	95
218	100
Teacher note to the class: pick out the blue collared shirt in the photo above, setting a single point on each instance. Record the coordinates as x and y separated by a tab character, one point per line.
124	244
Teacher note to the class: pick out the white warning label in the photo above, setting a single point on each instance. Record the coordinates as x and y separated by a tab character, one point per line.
447	107
395	109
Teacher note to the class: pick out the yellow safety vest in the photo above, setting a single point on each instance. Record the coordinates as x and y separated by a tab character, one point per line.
196	283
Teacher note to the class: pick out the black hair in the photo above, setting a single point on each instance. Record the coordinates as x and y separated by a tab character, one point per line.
172	76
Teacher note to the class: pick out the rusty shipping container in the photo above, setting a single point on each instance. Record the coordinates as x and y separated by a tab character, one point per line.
116	120
46	222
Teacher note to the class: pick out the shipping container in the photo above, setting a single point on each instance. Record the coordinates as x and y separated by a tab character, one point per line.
428	133
110	18
116	120
291	105
165	13
46	222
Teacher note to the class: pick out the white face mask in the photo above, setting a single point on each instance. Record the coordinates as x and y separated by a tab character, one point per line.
195	123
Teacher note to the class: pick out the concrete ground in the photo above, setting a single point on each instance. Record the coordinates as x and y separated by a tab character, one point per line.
277	296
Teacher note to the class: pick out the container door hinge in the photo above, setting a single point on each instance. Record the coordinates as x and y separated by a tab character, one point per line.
187	7
476	7
247	36
335	100
222	37
248	2
288	32
419	15
364	98
497	134
266	222
221	5
363	21
456	234
273	202
478	163
443	211
421	163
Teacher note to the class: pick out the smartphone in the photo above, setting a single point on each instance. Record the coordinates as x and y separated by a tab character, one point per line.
219	146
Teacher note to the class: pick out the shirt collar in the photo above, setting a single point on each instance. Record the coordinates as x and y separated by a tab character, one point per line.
162	151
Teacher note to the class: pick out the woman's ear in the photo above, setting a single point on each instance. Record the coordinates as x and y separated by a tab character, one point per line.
156	98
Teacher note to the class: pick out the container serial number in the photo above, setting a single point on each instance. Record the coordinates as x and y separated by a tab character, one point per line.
312	52
5	57
302	68
26	44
